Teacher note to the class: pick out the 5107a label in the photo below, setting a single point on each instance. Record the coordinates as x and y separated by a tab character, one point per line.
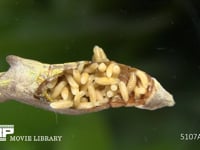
190	136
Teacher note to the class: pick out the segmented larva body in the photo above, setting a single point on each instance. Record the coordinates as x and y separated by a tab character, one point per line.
96	83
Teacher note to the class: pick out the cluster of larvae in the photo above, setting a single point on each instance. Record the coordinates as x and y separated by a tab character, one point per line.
96	83
81	87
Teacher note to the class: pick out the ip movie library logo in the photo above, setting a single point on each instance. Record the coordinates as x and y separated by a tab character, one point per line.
6	130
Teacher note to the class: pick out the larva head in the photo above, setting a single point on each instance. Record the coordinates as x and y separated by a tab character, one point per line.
159	98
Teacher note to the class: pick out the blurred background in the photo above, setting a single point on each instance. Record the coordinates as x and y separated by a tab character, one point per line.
159	37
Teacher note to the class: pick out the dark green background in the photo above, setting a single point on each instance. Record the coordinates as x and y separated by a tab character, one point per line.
160	37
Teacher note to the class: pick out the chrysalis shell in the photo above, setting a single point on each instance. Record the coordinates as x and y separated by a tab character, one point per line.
81	87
